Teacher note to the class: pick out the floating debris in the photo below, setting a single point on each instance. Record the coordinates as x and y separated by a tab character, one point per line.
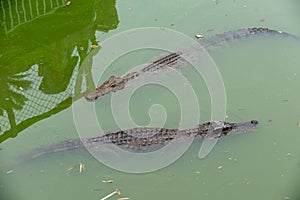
94	46
71	168
198	36
21	88
246	181
298	124
117	191
108	181
262	20
9	171
81	167
171	174
123	198
220	167
68	3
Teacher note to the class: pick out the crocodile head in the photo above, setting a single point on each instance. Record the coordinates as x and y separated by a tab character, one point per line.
113	84
218	129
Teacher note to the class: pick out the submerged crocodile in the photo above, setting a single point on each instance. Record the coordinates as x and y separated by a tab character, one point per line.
174	60
144	138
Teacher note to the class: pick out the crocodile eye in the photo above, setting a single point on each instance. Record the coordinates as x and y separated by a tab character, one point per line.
254	122
226	130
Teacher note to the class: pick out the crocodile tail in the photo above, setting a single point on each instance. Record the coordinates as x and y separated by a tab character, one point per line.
53	148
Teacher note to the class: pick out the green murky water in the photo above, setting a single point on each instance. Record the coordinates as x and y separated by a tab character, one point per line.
43	46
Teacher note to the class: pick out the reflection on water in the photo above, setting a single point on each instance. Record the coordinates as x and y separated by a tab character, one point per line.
50	40
18	13
12	97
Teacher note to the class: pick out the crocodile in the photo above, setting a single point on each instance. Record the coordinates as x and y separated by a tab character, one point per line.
174	60
143	138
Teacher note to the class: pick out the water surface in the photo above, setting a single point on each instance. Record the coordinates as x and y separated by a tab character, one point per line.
41	55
